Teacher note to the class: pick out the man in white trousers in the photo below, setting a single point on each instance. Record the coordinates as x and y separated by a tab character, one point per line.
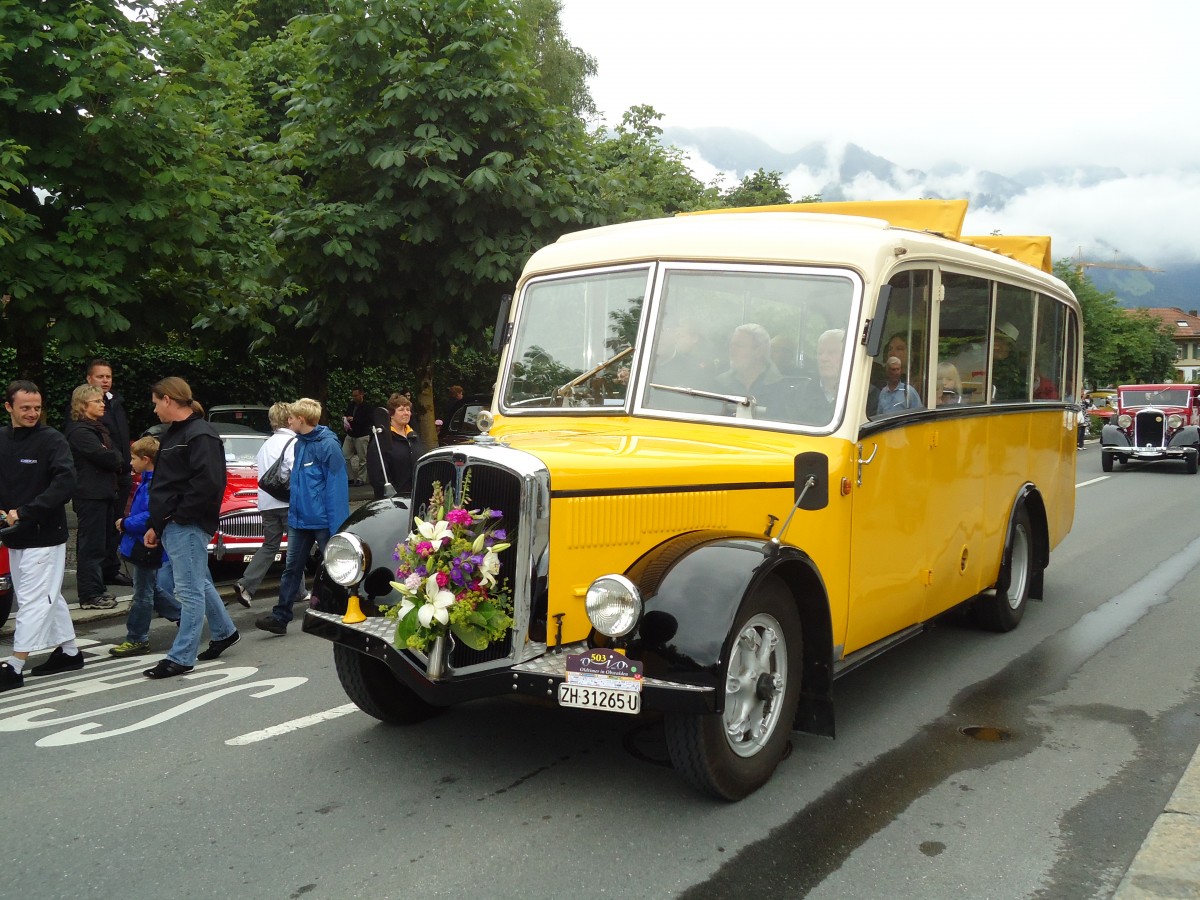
37	477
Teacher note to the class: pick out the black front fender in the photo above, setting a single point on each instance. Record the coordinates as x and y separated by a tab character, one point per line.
1112	436
693	587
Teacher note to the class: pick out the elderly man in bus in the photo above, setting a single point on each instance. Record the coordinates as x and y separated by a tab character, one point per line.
896	396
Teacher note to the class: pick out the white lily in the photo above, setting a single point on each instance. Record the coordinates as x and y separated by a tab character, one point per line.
489	568
434	532
437	604
406	606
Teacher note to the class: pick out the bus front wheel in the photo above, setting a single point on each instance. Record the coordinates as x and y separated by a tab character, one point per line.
374	689
730	755
1106	461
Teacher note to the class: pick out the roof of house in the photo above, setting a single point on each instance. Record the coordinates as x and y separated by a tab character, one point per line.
1185	324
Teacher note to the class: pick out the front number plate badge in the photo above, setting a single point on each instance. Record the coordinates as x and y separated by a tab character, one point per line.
602	679
599	698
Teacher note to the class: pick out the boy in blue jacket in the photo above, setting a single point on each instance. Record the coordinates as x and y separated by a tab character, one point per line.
153	587
320	503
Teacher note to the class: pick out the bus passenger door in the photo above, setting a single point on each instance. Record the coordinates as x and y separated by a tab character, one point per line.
889	534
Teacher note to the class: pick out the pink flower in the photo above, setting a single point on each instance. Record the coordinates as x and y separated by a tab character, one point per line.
423	548
442	579
458	517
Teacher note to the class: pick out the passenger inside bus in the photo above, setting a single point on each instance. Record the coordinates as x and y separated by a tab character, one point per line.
949	385
896	396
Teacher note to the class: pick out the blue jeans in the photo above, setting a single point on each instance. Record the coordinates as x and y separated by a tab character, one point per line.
291	583
187	547
153	592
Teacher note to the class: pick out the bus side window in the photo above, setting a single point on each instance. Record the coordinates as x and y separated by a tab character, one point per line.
1012	344
963	332
899	374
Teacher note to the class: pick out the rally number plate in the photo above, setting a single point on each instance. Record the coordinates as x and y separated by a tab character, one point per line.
622	701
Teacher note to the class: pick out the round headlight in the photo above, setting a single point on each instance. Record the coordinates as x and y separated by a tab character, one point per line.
1174	421
1124	420
346	559
613	605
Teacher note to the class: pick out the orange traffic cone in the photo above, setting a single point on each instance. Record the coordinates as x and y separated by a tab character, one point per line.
354	612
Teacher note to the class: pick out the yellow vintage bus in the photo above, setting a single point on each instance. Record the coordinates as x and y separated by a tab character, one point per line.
737	454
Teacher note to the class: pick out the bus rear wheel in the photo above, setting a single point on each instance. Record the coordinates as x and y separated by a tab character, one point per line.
374	689
1003	610
732	754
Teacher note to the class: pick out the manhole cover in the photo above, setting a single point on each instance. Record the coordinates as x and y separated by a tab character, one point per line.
986	733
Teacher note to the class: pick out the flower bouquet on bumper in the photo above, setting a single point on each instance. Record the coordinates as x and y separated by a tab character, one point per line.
448	575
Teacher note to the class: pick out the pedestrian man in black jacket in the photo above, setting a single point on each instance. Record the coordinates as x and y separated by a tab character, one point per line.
185	504
36	481
100	374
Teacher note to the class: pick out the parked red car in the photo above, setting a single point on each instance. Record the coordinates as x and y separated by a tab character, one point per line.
6	586
240	529
1153	422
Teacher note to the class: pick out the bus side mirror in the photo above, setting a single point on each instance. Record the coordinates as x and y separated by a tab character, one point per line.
503	329
874	337
816	466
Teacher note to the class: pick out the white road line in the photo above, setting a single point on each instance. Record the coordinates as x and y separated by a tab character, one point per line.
294	725
1093	481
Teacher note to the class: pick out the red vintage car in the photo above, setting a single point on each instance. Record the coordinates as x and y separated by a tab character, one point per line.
6	586
1153	422
240	529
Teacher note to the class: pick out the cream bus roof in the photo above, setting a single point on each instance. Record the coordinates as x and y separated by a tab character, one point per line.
859	233
944	217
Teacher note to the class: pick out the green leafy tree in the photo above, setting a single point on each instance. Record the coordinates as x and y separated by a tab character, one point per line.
759	188
636	177
116	177
431	164
1120	346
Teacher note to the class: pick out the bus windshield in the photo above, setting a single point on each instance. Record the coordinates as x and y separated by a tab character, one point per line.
762	343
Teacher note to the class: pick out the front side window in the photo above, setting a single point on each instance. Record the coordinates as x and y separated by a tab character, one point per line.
574	341
898	375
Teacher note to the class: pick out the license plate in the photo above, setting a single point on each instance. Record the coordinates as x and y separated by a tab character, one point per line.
599	698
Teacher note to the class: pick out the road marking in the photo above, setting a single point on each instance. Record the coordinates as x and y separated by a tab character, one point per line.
1093	481
294	725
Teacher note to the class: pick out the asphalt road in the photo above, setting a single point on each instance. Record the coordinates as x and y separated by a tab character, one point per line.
253	777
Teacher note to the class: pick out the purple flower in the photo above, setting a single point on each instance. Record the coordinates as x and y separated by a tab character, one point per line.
500	534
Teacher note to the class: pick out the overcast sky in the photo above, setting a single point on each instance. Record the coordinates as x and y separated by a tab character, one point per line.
999	87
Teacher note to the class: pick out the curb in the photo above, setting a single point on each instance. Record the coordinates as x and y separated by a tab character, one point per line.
1167	866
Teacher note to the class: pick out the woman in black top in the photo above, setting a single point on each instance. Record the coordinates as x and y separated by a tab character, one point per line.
97	464
392	455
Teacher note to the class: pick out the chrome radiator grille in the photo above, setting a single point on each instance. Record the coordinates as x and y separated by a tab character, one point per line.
246	524
490	487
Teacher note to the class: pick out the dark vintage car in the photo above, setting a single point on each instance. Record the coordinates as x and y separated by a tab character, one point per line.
1153	422
461	427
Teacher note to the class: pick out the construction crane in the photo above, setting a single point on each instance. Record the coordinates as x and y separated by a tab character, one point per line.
1081	265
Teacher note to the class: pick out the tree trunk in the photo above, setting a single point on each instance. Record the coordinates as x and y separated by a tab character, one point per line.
423	404
30	344
315	382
